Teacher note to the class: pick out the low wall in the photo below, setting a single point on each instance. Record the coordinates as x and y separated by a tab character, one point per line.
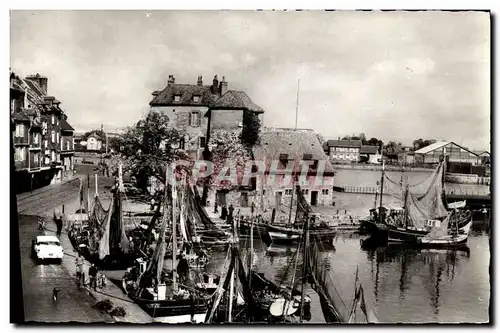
372	167
458	178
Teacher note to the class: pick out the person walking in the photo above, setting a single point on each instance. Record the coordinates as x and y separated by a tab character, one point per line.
59	224
80	274
93	276
230	214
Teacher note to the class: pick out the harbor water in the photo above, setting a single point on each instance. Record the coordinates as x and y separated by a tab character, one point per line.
402	285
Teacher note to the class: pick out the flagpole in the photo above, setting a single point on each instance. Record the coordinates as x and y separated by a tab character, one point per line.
297	104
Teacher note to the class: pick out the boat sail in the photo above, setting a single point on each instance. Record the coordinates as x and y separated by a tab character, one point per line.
166	299
103	240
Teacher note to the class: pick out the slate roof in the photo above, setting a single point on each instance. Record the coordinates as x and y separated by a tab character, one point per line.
65	126
294	143
186	92
209	97
344	143
368	150
233	99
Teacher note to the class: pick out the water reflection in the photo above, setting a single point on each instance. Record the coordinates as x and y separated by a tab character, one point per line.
430	266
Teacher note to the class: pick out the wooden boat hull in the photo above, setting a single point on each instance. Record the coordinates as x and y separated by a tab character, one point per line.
281	235
444	242
174	311
404	235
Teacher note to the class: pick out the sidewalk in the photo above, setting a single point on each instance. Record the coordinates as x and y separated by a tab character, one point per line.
134	314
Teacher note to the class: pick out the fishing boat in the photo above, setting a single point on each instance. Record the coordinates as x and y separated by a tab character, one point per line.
442	237
420	213
162	295
102	240
292	233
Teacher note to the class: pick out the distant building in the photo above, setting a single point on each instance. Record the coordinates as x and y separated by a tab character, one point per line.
454	153
371	154
289	146
198	108
94	142
343	151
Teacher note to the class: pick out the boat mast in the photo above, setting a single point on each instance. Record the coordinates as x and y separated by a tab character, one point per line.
293	176
174	237
304	267
231	281
382	185
96	188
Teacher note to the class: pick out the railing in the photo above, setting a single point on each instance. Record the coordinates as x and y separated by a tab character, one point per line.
465	192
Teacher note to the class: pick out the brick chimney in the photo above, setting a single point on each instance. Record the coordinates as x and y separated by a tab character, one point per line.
200	81
215	85
41	81
223	86
171	79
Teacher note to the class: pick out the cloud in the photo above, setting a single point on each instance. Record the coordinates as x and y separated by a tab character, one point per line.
397	76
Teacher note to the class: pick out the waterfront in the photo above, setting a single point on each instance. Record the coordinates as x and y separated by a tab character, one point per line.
403	285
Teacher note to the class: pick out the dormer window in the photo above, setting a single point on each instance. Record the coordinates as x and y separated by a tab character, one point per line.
177	98
196	99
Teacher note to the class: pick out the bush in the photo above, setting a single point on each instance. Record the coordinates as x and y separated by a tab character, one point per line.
105	305
118	312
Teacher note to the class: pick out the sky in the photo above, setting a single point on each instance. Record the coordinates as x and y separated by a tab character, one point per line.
392	75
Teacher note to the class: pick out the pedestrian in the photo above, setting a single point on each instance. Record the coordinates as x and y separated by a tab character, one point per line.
230	214
153	204
223	214
216	209
93	276
80	274
59	224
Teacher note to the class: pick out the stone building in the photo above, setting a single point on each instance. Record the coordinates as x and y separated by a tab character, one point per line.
197	108
282	151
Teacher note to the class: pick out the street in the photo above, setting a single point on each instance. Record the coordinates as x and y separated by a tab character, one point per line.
38	281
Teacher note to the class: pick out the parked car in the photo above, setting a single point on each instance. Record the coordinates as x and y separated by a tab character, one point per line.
47	247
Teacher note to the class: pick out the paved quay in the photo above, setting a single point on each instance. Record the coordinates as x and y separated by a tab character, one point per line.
74	304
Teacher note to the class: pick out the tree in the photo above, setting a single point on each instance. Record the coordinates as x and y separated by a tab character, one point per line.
374	142
148	147
251	128
393	147
420	143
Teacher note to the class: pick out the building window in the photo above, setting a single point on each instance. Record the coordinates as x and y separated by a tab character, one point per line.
305	192
35	138
288	192
202	141
53	120
194	119
182	143
67	145
20	130
57	122
45	143
53	137
57	135
196	99
19	155
177	98
35	158
53	154
324	191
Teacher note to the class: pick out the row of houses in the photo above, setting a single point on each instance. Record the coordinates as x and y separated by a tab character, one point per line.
200	109
353	151
42	135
